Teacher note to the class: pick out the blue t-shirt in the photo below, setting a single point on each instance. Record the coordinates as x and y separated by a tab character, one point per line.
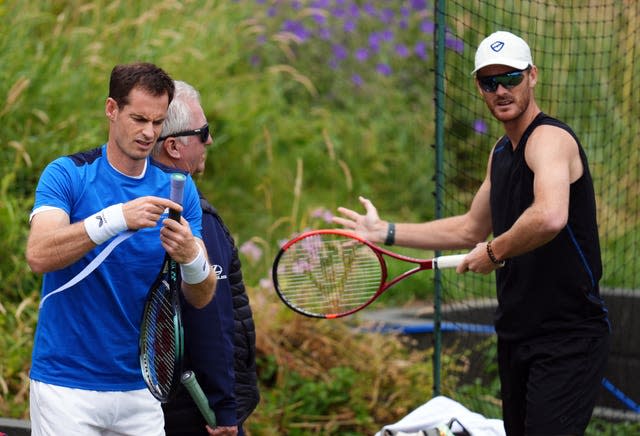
87	335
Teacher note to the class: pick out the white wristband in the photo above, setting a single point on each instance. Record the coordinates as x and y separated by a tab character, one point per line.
197	270
105	224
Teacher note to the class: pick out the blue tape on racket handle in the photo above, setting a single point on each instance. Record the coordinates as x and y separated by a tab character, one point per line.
189	381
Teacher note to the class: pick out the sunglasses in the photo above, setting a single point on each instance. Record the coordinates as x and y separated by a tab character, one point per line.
202	133
508	80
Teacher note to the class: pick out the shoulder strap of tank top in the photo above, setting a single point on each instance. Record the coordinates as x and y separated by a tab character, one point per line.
544	119
540	119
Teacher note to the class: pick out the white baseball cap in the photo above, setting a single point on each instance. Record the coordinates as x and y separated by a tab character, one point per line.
503	48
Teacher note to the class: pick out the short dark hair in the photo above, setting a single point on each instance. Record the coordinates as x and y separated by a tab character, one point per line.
144	75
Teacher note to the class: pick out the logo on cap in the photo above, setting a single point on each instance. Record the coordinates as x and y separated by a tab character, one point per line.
497	46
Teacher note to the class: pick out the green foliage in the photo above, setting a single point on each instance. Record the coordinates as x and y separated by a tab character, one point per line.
602	427
17	321
327	378
481	392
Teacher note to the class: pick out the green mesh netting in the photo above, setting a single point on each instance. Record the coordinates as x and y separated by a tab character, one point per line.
587	56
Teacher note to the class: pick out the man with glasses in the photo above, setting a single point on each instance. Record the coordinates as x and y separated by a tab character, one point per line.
538	201
85	371
220	338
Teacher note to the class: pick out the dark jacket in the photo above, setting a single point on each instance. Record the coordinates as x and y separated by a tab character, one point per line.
246	386
219	341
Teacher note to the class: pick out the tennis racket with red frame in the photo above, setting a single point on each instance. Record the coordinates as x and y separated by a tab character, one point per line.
335	273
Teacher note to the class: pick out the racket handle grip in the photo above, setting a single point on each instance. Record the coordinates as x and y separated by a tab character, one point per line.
177	190
189	381
448	261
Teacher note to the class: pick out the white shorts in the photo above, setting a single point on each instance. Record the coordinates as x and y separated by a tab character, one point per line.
56	410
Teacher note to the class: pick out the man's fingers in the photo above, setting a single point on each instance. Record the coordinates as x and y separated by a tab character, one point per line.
350	214
462	268
343	222
371	211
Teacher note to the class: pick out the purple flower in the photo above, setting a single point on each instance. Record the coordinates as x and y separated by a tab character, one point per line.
370	9
251	250
386	16
356	79
427	26
297	28
302	266
320	19
480	127
374	41
339	12
340	52
383	69
402	50
418	5
354	11
455	44
265	283
349	26
324	33
420	50
387	35
339	25
322	213
320	4
311	247
362	54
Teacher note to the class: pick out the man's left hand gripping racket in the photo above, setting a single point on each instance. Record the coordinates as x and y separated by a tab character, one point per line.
335	273
161	337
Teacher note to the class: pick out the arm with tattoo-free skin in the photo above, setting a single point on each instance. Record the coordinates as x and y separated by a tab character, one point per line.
54	243
456	232
552	155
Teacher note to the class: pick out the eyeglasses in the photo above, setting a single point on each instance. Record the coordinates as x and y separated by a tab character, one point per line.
508	80
202	132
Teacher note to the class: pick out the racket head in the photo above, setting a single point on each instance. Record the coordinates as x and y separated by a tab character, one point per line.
161	337
328	273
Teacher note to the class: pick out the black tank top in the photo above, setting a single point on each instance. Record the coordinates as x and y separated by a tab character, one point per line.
554	288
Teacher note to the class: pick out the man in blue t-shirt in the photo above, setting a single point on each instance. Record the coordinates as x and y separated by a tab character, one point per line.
85	374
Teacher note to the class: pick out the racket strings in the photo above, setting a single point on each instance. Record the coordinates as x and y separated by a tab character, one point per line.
328	274
160	343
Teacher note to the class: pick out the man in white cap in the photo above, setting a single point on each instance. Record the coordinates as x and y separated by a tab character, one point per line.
538	202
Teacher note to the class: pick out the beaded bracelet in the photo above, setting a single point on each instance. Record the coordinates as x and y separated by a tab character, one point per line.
493	257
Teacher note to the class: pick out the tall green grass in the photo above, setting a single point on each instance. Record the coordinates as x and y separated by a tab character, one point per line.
282	150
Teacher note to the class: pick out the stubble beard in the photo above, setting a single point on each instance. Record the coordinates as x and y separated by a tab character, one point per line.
510	116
